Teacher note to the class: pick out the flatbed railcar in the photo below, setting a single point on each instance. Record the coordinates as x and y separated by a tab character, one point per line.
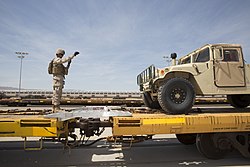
215	134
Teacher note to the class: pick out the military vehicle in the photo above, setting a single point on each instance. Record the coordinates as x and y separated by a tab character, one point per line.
214	69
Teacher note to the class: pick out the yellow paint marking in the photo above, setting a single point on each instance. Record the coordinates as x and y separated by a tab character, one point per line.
164	121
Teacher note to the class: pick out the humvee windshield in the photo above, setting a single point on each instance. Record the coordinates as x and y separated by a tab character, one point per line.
202	56
186	60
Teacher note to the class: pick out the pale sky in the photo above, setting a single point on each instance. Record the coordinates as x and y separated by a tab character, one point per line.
117	39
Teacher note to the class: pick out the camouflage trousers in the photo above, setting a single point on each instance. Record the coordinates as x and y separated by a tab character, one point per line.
58	84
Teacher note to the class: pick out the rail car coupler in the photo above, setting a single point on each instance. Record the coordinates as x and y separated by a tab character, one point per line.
91	126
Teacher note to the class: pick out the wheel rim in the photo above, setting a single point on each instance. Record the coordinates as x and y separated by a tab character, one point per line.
178	95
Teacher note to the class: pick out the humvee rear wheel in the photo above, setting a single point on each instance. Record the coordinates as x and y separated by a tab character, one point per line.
238	101
149	102
176	96
187	139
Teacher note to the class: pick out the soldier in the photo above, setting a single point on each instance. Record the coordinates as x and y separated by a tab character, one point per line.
59	71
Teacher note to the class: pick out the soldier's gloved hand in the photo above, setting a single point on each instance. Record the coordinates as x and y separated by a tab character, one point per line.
76	53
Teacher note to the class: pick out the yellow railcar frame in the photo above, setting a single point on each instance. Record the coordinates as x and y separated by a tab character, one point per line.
13	126
150	124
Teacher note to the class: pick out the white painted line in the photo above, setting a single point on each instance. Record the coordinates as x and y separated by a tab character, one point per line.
107	157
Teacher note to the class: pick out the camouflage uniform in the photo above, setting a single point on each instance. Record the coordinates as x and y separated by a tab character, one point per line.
59	71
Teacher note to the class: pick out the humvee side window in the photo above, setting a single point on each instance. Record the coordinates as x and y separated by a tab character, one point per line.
230	55
203	56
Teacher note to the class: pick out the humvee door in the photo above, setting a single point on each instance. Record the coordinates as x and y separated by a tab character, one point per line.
228	67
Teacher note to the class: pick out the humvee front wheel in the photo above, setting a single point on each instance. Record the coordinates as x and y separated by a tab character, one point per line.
176	96
239	101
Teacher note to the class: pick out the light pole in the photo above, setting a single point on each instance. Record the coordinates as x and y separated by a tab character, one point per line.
167	59
21	56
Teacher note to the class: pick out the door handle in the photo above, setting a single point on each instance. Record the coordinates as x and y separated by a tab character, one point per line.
196	68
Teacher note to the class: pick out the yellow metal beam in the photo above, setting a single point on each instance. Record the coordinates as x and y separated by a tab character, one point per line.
150	124
28	127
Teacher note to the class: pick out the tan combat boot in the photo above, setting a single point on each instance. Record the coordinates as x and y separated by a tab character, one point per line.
56	108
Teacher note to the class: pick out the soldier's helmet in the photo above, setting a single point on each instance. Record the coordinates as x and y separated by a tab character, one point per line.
60	52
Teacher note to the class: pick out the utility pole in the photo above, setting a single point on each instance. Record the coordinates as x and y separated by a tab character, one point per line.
21	56
168	60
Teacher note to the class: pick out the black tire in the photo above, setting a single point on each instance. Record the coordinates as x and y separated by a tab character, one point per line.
187	139
145	99
238	101
206	146
176	96
149	102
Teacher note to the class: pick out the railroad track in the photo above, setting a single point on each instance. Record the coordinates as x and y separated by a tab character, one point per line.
129	102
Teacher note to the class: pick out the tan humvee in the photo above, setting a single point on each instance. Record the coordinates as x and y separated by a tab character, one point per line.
214	69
